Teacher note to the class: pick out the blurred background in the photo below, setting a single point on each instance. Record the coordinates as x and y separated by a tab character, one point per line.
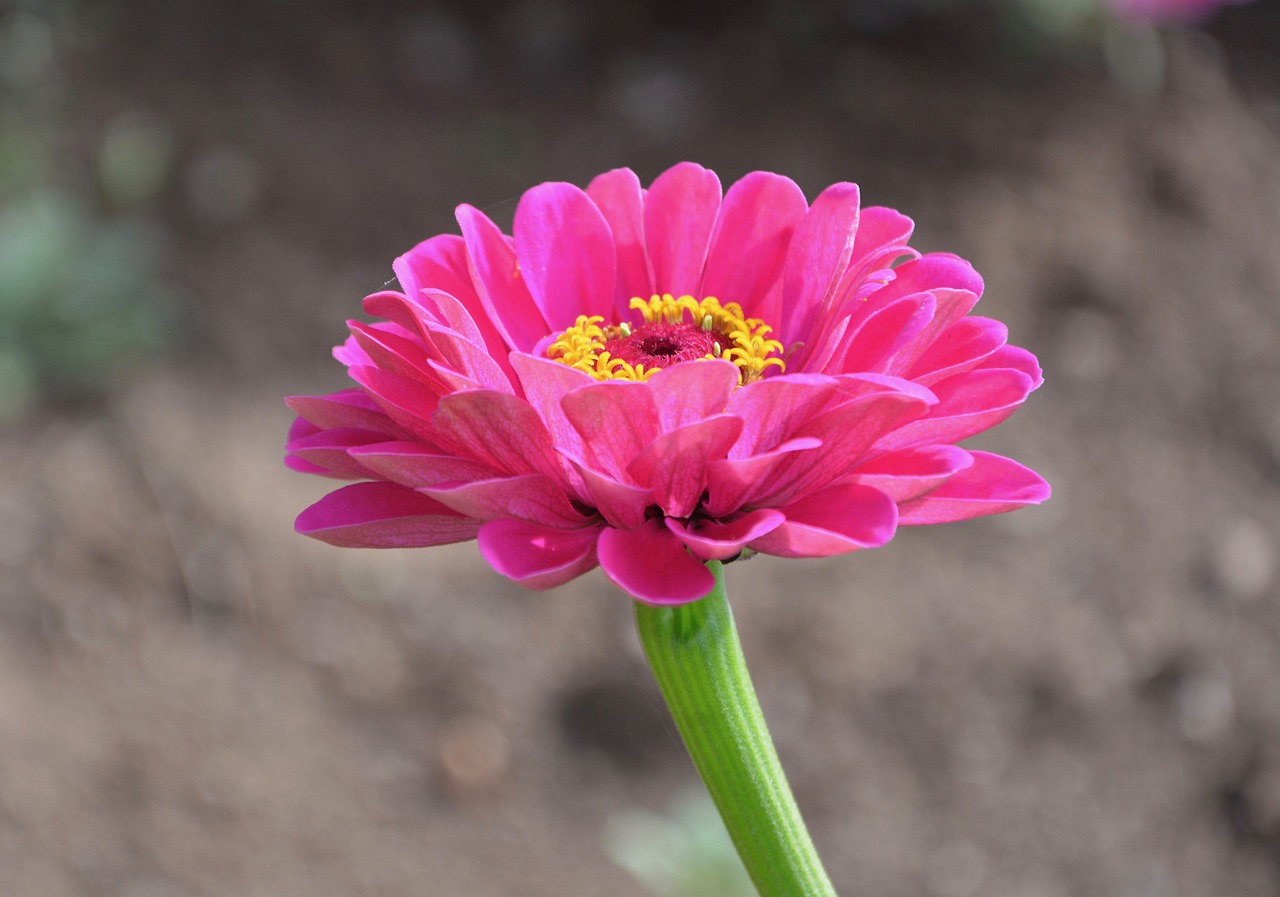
1078	699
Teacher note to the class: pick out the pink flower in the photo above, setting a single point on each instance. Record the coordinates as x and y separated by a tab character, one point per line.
1160	11
644	380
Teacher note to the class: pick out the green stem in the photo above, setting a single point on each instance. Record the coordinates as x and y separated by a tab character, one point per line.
697	659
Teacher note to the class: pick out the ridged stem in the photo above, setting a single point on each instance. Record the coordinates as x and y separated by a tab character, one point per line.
697	659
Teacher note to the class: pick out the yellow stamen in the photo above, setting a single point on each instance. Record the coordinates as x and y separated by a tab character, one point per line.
582	345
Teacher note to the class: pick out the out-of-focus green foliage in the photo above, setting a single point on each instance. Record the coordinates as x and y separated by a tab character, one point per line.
79	294
77	299
685	853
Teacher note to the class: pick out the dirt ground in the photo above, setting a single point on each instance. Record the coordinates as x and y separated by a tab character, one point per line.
1078	699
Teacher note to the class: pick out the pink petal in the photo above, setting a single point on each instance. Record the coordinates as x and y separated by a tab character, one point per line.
328	449
616	420
652	566
401	356
445	309
961	347
412	464
534	498
679	214
502	291
674	466
880	337
499	430
463	349
545	383
622	504
1017	359
407	402
686	393
458	354
620	199
350	354
537	557
774	408
847	433
879	230
383	515
345	408
749	244
730	481
566	252
440	265
993	485
716	540
931	271
300	466
948	307
967	404
816	260
911	473
831	522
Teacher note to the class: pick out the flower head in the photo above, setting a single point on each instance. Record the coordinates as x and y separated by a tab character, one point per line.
645	380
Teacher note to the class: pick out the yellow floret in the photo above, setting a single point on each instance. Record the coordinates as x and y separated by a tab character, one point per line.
582	345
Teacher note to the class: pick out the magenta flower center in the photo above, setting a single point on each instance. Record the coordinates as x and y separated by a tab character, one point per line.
660	345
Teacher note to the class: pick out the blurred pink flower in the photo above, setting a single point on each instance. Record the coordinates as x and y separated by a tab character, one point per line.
519	393
1159	11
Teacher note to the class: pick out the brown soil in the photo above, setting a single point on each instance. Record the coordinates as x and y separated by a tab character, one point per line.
1079	699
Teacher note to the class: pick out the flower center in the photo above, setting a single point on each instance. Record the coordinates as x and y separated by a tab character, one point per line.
673	331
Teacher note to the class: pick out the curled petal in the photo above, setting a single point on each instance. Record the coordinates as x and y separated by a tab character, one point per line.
652	566
993	485
537	557
383	515
833	521
719	540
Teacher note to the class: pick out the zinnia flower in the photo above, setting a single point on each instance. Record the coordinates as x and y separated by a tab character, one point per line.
645	380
